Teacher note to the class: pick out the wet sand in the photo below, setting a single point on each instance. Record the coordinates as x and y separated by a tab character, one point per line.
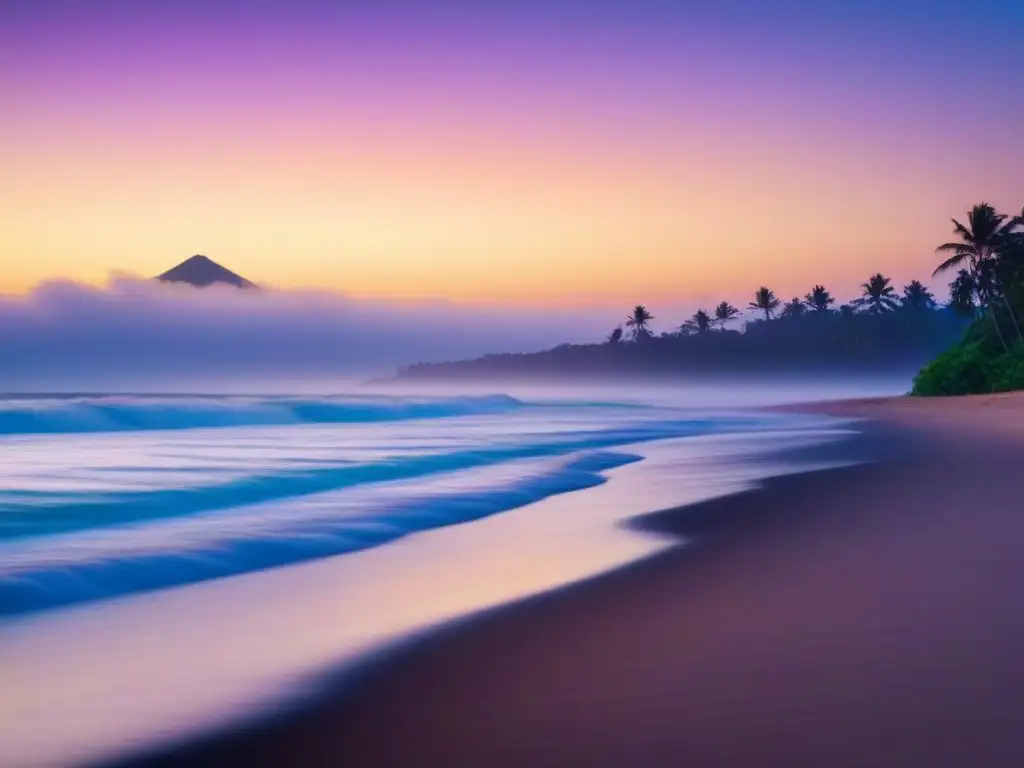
850	617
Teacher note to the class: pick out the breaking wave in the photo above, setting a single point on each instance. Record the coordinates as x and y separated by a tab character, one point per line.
27	416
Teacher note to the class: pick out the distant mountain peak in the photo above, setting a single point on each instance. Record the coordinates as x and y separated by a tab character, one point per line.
201	271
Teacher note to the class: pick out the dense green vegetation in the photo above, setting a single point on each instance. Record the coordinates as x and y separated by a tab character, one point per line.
988	289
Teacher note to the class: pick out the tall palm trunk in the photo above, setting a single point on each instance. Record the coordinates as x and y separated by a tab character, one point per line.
1007	287
988	253
987	302
988	307
999	331
1013	317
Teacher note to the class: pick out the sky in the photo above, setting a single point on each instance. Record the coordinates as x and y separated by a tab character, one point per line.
537	154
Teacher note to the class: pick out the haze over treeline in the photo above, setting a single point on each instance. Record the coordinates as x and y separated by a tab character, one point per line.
880	332
66	335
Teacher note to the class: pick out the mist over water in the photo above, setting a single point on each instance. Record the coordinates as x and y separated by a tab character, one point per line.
728	392
138	336
133	333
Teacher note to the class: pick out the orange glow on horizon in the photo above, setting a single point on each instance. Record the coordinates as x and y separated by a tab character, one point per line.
553	215
520	155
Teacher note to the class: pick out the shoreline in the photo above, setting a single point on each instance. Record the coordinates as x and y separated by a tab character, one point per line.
507	686
159	668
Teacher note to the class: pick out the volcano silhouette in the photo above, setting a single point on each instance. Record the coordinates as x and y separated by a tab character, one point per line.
201	271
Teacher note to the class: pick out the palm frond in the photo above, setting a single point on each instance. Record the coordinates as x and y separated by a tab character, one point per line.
953	261
963	231
964	247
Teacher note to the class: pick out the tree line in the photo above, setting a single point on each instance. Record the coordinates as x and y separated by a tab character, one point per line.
878	296
990	281
885	329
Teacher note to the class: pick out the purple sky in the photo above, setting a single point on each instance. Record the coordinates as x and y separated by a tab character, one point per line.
530	154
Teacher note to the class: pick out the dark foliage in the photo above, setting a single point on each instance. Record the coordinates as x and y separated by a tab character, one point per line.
989	287
725	313
819	299
766	301
639	320
916	296
879	295
699	323
901	340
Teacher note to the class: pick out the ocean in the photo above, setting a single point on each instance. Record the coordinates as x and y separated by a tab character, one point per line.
170	564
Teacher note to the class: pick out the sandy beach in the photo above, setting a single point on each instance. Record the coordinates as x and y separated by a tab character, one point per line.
849	617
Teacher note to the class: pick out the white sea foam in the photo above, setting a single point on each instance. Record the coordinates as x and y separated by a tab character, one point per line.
35	415
88	514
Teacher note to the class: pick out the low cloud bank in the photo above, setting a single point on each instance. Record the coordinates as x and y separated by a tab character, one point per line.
141	330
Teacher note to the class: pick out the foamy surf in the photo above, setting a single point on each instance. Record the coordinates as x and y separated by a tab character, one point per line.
49	571
118	413
89	514
170	664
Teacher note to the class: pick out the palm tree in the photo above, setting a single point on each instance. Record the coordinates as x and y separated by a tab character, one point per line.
819	299
916	296
793	308
970	290
639	320
878	294
980	243
986	282
986	230
724	313
1010	257
961	293
765	300
982	280
699	323
615	336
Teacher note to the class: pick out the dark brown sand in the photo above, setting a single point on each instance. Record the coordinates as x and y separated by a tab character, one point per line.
854	617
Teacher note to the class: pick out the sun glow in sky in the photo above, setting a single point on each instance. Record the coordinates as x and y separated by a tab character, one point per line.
539	152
